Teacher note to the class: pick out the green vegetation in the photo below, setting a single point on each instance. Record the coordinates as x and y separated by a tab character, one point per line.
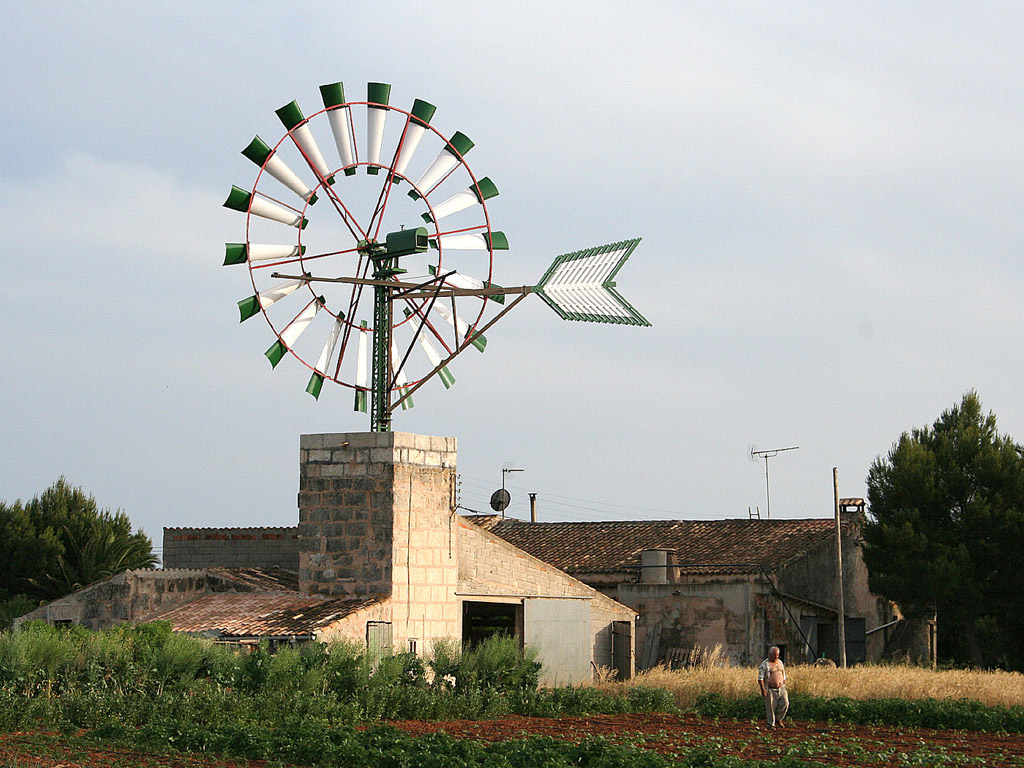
146	688
61	541
959	714
946	521
144	675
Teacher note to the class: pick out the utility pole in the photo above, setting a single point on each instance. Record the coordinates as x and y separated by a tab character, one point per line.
839	570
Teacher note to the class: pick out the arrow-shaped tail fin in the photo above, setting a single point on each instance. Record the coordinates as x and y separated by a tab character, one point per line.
581	285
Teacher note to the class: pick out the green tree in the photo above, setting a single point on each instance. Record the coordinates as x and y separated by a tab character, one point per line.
945	529
61	541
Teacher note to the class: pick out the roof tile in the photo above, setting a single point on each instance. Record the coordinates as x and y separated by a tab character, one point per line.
700	546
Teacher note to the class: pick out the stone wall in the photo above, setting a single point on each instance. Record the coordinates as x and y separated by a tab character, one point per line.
376	518
231	548
132	596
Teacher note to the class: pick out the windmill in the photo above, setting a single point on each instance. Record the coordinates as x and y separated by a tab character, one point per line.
382	291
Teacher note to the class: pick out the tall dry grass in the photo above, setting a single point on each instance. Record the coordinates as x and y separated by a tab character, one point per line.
866	681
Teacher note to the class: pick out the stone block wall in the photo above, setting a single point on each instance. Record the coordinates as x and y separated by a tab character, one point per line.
231	548
132	596
376	518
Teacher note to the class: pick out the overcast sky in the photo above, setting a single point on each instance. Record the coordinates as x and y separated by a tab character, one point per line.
829	196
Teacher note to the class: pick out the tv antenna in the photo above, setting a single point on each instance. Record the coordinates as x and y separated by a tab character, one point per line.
769	453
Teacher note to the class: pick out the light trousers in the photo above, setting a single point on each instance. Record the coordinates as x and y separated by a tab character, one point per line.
776	704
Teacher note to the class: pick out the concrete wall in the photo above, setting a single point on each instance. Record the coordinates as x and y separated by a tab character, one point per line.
231	548
491	564
813	577
699	611
376	517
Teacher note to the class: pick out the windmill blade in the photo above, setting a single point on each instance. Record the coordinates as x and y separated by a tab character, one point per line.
362	368
340	117
447	160
455	280
292	118
253	304
470	196
247	202
240	253
260	153
459	325
435	360
401	380
580	285
414	129
376	115
480	241
432	355
316	381
293	331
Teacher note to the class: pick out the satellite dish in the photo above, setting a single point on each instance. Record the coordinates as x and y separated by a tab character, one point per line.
500	500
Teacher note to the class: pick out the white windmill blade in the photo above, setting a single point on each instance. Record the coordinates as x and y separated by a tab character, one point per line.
247	202
470	196
316	381
435	360
287	338
251	305
362	368
292	118
580	285
477	241
401	380
376	116
414	129
431	352
459	325
240	253
340	117
447	160
453	280
260	153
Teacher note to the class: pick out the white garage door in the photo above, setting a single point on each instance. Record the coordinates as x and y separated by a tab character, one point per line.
559	628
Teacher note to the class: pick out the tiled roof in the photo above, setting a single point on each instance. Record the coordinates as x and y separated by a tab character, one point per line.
704	546
260	614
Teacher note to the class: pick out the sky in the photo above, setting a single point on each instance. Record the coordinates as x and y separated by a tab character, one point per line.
829	196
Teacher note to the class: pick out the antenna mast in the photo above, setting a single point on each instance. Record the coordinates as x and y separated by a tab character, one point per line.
768	454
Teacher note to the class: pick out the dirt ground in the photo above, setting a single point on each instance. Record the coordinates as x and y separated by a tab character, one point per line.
832	745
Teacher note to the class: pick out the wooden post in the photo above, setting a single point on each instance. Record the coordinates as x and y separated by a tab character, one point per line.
841	616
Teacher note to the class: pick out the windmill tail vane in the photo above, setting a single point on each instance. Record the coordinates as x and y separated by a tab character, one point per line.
346	305
580	285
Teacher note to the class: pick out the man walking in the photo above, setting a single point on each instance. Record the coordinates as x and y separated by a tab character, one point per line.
771	677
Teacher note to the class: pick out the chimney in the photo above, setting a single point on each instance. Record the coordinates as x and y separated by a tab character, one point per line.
533	507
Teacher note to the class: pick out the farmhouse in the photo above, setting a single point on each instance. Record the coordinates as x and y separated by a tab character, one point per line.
381	556
742	584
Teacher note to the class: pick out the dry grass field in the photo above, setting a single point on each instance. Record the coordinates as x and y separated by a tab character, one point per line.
898	681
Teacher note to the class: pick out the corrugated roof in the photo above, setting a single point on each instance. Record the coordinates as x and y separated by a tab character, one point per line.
700	546
260	614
